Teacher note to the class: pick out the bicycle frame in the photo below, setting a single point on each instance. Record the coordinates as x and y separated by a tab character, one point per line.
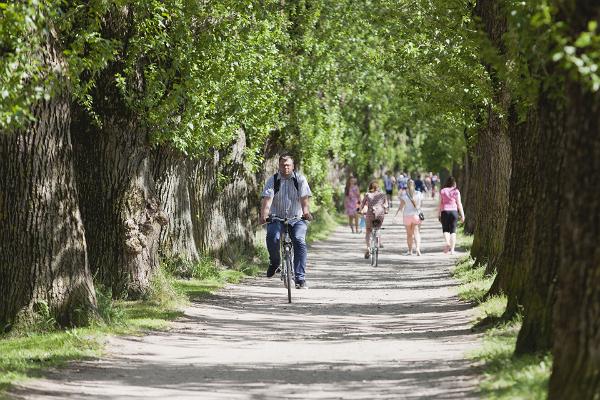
374	245
287	254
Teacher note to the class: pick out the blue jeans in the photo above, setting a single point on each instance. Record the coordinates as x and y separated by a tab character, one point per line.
298	235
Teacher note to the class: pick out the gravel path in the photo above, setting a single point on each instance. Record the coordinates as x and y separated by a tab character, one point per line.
394	332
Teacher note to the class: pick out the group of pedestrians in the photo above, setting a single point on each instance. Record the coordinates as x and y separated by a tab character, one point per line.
287	195
411	194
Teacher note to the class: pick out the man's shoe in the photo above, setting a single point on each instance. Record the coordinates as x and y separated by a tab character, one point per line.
271	270
301	285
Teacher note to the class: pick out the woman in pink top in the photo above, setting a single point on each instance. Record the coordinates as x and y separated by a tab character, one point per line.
448	212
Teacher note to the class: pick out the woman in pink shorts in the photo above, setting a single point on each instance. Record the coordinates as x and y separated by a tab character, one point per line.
410	204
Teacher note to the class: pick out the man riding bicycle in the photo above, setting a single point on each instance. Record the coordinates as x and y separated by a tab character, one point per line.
286	195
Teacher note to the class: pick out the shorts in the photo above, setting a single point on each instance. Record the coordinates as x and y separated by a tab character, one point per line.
449	220
411	220
389	192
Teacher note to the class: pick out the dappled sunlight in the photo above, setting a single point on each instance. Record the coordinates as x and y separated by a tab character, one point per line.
395	331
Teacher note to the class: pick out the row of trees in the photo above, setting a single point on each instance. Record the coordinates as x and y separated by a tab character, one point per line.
134	131
137	130
533	176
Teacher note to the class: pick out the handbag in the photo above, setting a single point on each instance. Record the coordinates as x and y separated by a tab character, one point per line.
420	213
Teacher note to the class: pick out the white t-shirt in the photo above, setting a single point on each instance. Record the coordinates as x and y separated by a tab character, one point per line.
409	209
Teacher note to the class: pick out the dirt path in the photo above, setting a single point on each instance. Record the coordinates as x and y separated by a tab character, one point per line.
395	332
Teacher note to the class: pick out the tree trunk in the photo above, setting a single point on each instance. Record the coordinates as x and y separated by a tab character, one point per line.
120	210
576	370
470	204
515	261
172	178
492	183
43	256
222	205
538	295
576	366
492	151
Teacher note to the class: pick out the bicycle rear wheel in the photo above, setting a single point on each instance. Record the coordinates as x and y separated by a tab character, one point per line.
289	273
373	249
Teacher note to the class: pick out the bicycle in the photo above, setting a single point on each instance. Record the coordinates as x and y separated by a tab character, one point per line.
374	242
287	252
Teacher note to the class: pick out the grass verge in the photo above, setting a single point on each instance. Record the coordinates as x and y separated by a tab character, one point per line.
27	353
505	375
324	223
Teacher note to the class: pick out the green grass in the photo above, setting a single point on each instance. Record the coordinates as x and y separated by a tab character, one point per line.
474	282
324	223
506	376
463	241
28	352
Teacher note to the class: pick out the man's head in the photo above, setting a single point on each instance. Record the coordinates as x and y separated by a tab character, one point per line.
286	165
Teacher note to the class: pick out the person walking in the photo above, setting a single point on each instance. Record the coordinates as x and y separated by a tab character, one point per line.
410	205
388	183
450	207
377	206
352	203
427	182
419	186
434	182
286	195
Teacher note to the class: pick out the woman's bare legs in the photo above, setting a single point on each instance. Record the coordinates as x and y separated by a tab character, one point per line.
452	242
356	223
410	229
417	236
350	222
447	241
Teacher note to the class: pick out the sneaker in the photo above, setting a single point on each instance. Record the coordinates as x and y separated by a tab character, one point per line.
301	285
367	254
381	245
408	253
272	270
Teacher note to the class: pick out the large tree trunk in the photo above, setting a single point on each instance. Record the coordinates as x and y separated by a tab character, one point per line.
222	205
43	255
538	295
576	367
172	178
492	183
120	210
492	151
515	261
113	162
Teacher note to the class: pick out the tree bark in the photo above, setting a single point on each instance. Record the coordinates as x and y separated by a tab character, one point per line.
43	256
492	184
516	258
221	203
576	366
120	209
538	295
492	151
172	178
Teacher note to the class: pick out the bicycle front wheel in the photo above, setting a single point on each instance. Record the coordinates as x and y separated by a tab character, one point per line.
289	273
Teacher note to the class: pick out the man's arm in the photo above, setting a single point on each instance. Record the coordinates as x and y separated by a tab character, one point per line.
265	207
305	203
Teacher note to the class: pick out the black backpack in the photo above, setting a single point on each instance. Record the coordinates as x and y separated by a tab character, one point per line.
277	182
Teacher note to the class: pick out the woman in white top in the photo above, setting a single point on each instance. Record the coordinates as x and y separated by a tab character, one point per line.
410	204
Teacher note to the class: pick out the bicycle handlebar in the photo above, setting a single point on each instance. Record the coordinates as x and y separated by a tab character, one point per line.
272	218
